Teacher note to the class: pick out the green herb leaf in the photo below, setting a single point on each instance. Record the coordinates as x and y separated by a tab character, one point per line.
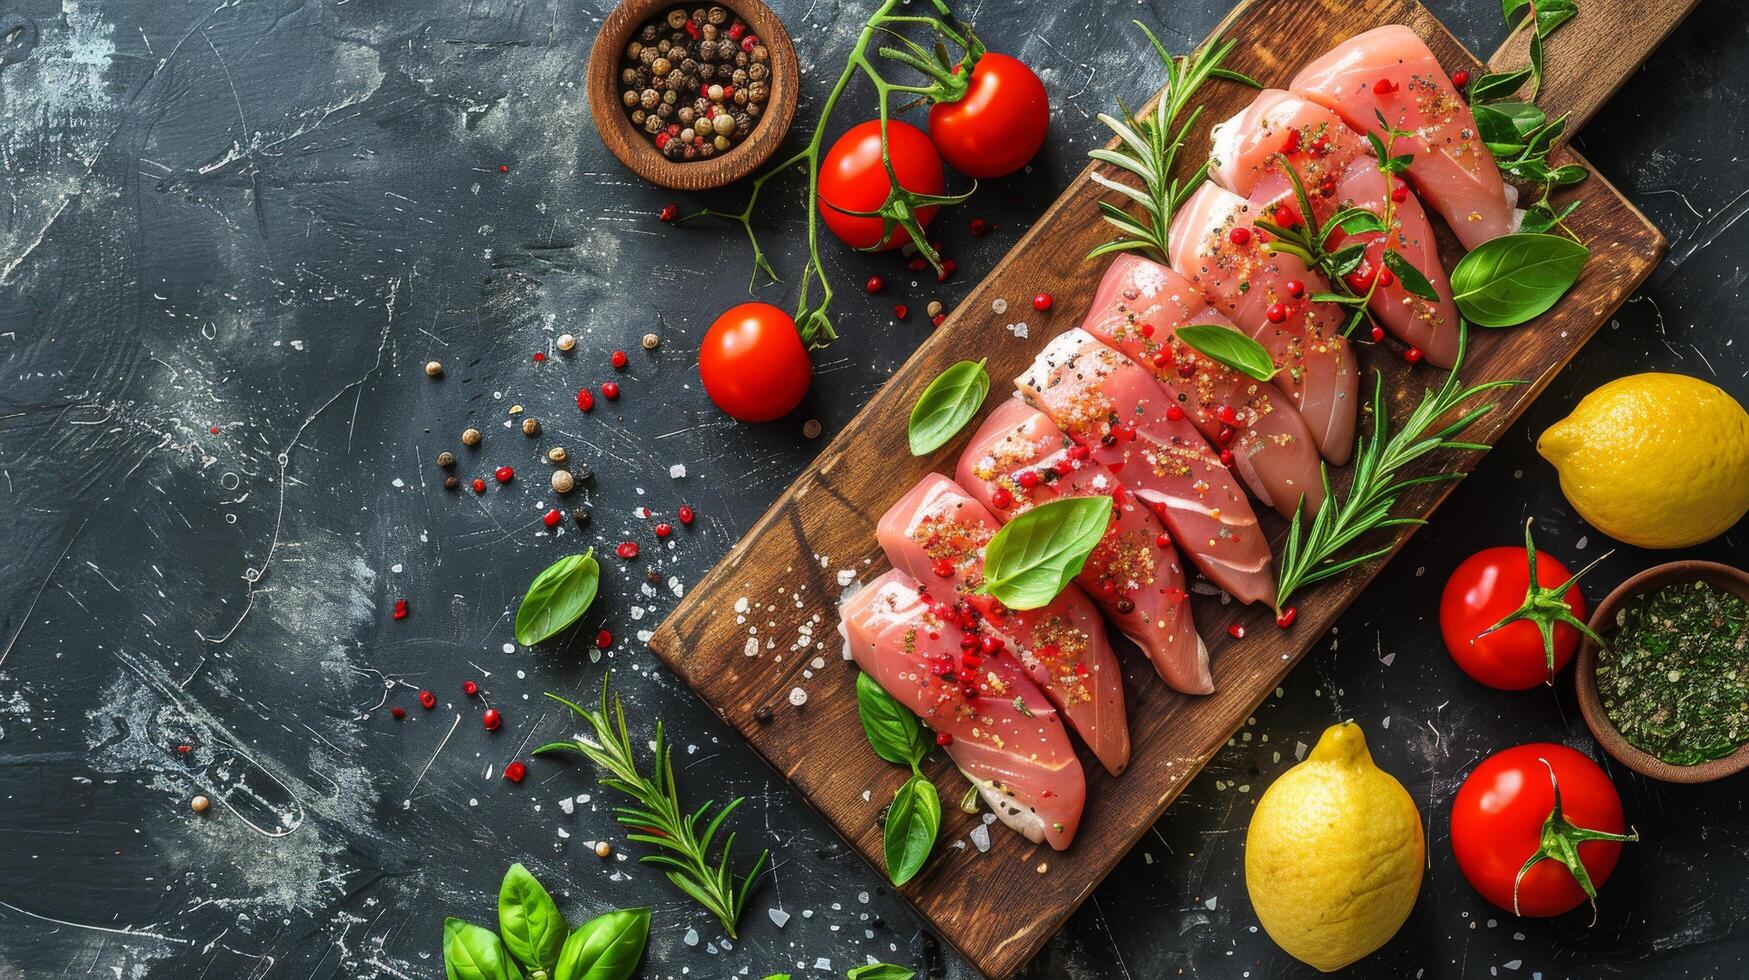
1034	557
607	947
1354	221
1347	259
472	952
880	971
530	923
1515	278
558	597
912	823
1497	85
1539	219
1229	347
1409	276
947	405
892	730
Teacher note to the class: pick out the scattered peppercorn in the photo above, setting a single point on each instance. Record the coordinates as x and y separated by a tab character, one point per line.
446	459
685	515
1286	617
875	284
504	474
1042	302
563	482
427	700
479	485
651	341
199	804
434	369
397	712
901	311
980	227
627	550
552	518
619	360
669	213
470	437
566	343
604	639
934	308
515	771
762	714
603	849
470	688
491	719
400	609
811	429
581	516
531	426
610	390
664	529
557	454
585	399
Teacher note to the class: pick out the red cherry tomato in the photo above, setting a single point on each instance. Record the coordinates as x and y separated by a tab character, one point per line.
853	178
1491	585
753	364
1000	123
1498	818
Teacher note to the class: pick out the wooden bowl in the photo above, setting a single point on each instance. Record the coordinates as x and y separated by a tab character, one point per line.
1585	673
633	146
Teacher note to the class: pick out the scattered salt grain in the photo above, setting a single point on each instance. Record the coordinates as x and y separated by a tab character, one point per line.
999	305
751	647
778	917
691	937
797	696
1018	330
677	471
981	838
1300	750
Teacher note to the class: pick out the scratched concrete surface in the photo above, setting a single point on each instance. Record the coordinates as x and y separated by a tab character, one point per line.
231	236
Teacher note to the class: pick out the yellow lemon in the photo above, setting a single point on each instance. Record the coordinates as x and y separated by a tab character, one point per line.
1334	854
1654	460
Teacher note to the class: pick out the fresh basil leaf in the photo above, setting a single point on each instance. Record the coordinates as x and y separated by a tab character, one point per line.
1507	123
1538	218
892	730
1536	67
1570	173
1034	557
1229	347
607	947
1497	85
1347	259
1409	276
1510	9
1355	221
558	597
880	971
913	821
947	405
1514	278
529	921
1378	145
1397	164
1551	14
1503	150
472	952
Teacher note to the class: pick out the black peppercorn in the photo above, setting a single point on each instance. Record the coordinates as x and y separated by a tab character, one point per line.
649	34
762	714
450	482
716	16
581	516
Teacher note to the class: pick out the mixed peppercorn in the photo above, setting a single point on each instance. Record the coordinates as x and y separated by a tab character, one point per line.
696	83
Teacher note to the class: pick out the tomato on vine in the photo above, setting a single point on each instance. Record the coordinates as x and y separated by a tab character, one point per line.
1537	828
855	187
753	364
998	124
1511	617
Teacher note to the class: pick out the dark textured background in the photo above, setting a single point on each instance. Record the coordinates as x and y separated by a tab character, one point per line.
265	217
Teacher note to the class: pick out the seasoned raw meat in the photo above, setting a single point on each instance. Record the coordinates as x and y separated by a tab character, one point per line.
1112	405
937	534
1215	246
1338	170
1138	309
1135	574
1389	71
999	729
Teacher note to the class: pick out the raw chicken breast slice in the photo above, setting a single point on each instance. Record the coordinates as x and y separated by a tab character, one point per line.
937	534
1135	575
1110	404
1389	71
1138	309
1338	170
1005	736
1214	245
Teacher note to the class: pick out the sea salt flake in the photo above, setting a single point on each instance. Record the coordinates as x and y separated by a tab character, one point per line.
778	917
981	838
677	471
797	696
691	937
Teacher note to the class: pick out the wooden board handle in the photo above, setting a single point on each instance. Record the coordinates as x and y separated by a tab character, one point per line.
1590	57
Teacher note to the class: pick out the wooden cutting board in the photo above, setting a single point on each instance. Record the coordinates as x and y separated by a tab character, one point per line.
761	629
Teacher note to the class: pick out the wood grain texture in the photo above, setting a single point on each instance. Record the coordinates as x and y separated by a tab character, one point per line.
633	147
1591	55
999	907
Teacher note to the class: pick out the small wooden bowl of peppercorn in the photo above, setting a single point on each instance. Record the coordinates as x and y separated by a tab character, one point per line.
710	114
1633	596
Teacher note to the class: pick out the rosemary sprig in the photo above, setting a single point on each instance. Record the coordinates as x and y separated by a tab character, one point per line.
1149	145
658	818
1310	553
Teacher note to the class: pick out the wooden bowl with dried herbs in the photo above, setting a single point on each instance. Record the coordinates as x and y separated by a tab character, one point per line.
1668	696
692	96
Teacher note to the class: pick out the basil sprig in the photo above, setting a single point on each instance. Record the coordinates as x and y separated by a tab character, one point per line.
1229	347
1034	557
1515	278
893	731
947	405
558	597
881	971
913	821
535	938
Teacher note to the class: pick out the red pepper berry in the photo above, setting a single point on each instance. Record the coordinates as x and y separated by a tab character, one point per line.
749	42
1187	369
1227	415
604	639
585	399
1236	631
539	356
663	530
692	30
917	264
400	609
670	212
610	390
1360	280
213	429
875	284
1163	541
1460	78
504	474
1147	329
946	270
491	719
980	227
943	739
1042	302
1063	467
1292	143
1378	334
943	568
1174	413
470	688
1327	187
1227	458
1277	313
618	359
504	168
515	771
1384	86
1029	479
1295	288
736	30
479	485
1413	355
936	320
427	700
1239	236
1285	216
552	518
686	515
1400	193
397	712
1285	618
662	140
901	311
626	549
1080	452
1386	277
